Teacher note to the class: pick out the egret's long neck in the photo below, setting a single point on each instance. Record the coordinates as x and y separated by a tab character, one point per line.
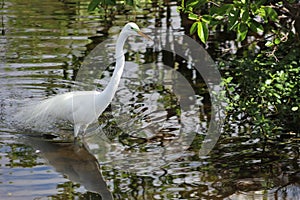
110	90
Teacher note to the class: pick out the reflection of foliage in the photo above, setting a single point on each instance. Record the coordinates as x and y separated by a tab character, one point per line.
67	190
140	114
238	164
170	102
21	155
100	4
109	124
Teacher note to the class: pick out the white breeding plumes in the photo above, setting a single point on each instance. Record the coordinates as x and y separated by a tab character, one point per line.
82	107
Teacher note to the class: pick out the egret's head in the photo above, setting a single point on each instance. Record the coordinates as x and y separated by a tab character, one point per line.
133	29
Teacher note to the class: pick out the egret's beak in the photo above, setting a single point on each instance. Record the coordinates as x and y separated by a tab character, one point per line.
144	35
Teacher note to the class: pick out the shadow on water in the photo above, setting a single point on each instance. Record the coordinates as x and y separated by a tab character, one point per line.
73	161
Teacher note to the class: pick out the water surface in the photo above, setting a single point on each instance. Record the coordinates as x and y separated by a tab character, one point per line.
42	48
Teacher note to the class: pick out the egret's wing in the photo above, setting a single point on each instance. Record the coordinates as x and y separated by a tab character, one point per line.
46	111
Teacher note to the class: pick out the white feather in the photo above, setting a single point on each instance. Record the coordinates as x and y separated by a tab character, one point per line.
80	107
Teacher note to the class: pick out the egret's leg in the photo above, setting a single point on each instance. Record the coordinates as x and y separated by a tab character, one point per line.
84	128
76	133
76	130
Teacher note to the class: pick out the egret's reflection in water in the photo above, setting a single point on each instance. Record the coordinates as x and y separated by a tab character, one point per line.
73	161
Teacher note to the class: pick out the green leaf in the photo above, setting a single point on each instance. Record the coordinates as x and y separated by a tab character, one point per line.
205	30
93	5
237	3
108	2
236	97
242	31
229	79
245	14
277	41
271	13
277	96
279	86
193	16
262	13
206	18
295	108
255	26
191	4
268	82
231	89
182	3
233	18
202	31
193	28
254	7
222	10
130	2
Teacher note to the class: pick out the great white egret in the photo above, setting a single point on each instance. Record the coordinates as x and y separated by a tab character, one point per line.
84	107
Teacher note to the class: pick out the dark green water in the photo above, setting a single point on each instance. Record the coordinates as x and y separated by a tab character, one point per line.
43	45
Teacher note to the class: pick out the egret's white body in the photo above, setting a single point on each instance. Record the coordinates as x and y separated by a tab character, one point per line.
84	107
